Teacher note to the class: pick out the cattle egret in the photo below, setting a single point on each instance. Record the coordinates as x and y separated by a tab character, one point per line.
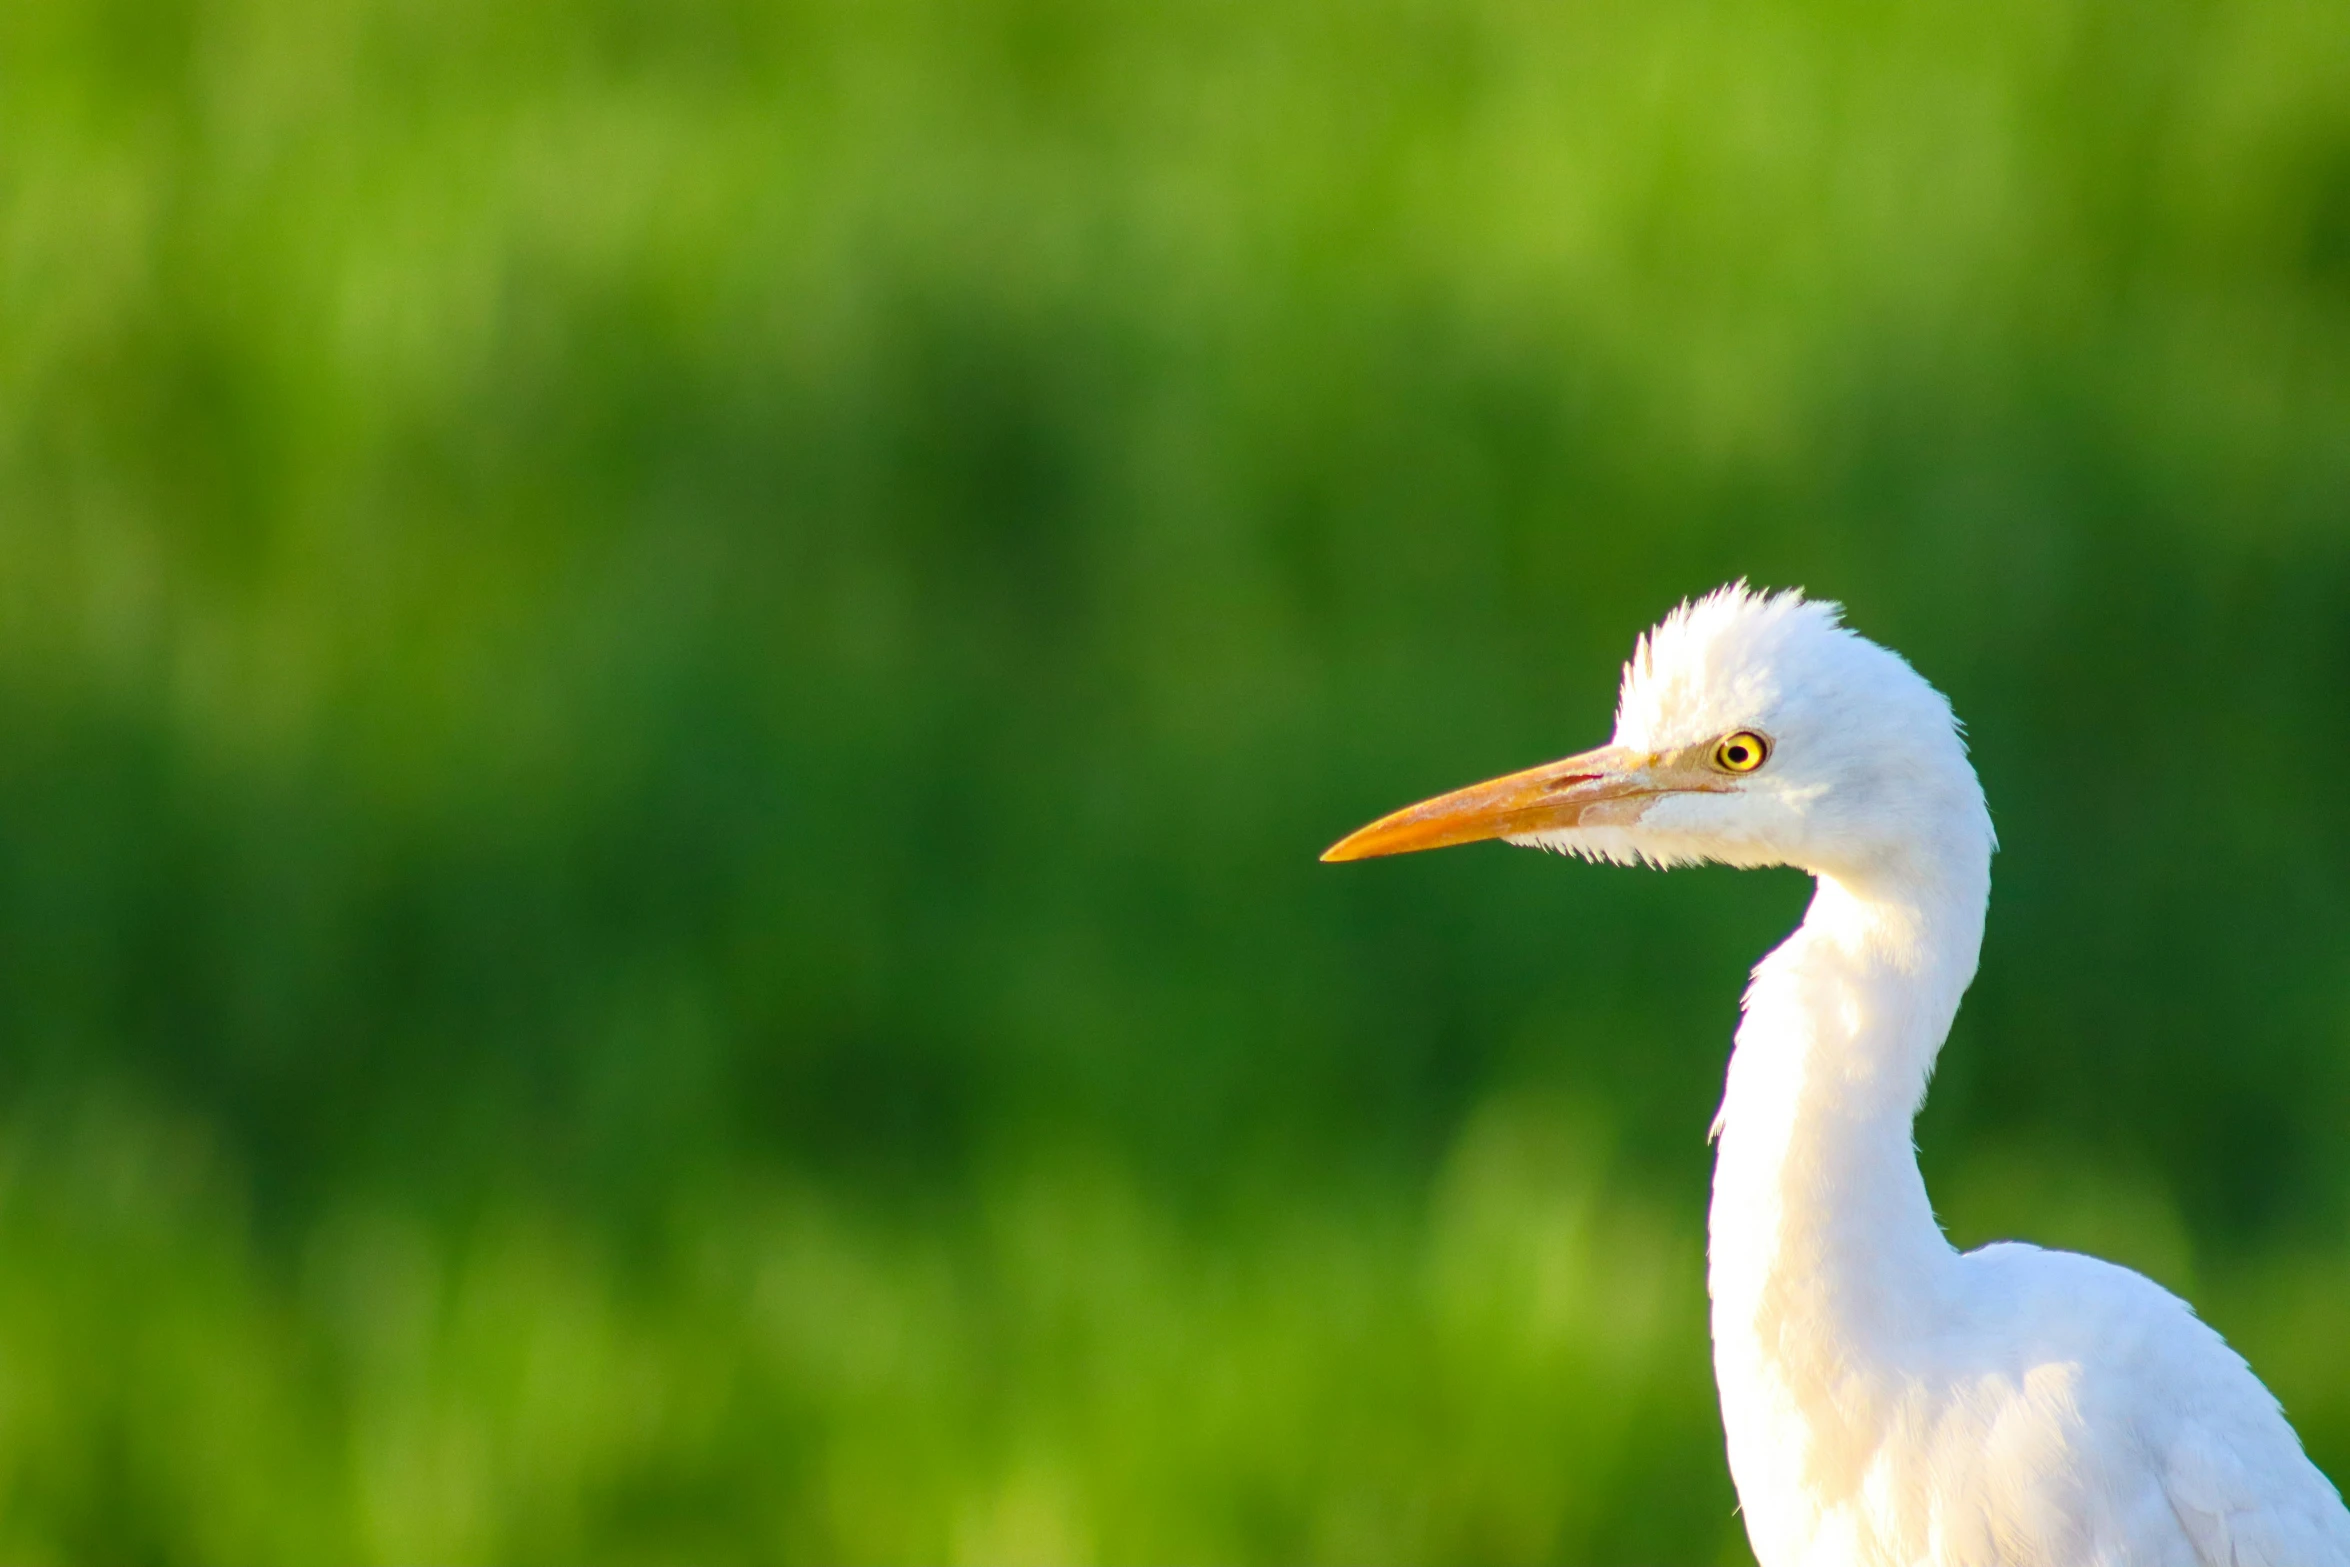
1888	1400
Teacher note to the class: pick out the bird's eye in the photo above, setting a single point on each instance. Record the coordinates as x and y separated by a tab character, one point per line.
1742	752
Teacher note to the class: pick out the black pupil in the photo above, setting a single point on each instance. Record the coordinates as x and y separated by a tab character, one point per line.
1738	755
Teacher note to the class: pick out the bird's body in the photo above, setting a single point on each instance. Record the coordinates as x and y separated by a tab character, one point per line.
1888	1400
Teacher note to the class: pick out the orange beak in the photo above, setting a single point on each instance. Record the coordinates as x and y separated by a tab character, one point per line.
1607	787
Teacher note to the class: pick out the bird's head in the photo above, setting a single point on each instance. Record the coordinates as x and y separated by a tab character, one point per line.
1753	729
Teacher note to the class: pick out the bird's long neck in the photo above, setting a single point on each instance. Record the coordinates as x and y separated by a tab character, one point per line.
1826	1264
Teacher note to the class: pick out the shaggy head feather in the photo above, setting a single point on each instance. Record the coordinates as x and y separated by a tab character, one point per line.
1868	768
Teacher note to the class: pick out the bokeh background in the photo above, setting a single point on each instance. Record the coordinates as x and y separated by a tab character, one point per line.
670	671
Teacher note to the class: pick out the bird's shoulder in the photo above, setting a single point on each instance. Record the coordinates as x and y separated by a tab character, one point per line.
2123	1329
2181	1428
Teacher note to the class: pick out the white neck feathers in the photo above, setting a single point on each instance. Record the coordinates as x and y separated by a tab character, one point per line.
1825	1259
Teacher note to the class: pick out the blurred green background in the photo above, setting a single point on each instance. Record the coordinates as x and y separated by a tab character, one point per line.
670	671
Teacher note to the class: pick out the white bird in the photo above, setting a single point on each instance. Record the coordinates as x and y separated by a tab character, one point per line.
1887	1399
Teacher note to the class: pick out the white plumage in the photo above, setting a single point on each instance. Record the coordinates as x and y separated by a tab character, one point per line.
1888	1400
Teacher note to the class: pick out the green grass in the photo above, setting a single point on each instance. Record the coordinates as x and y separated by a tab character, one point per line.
669	675
1048	1365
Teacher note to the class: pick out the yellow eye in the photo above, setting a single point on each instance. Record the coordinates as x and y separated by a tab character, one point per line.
1742	752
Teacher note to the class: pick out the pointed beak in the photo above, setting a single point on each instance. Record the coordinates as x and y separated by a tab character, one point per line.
1580	791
